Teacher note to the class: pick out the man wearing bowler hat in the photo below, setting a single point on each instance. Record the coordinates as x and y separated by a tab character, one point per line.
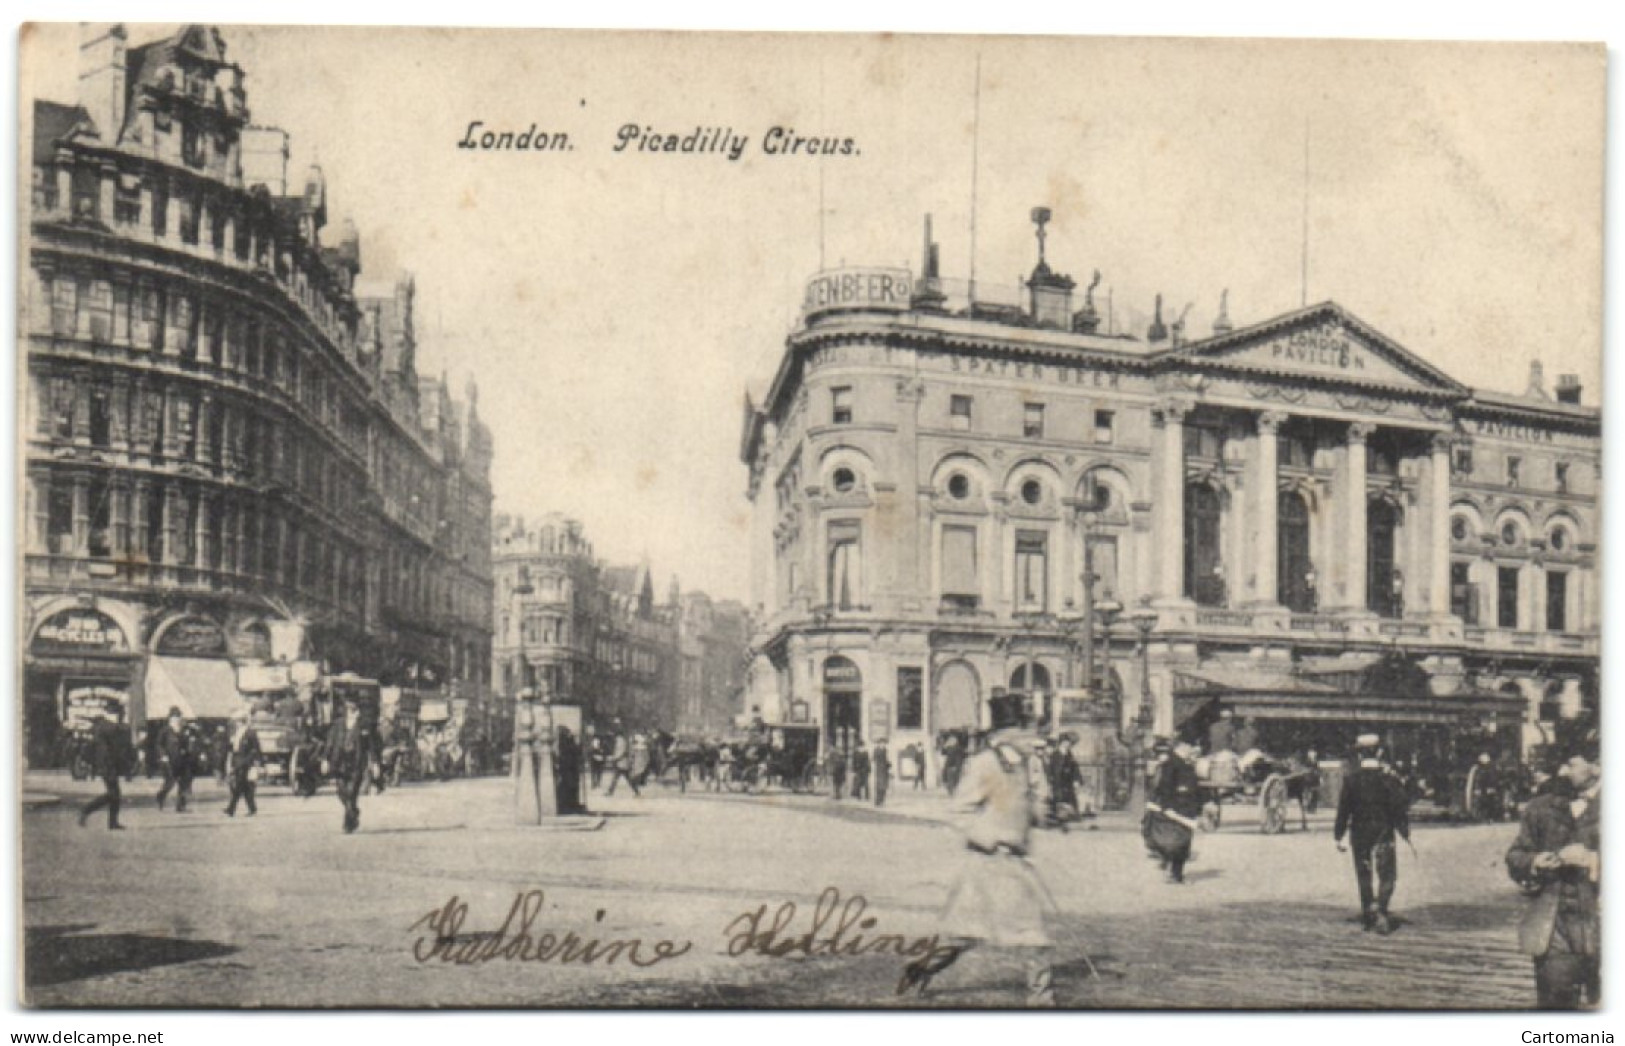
177	753
1371	810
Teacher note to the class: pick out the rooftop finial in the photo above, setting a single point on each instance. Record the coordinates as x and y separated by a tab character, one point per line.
1157	332
1041	217
1221	323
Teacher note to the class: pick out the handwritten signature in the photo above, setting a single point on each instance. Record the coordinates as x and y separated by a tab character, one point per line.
831	928
514	940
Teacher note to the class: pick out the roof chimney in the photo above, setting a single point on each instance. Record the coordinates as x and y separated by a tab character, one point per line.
1087	320
102	71
928	294
1568	389
1221	323
1537	381
1157	331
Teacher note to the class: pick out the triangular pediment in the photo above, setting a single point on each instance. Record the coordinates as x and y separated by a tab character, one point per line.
1326	342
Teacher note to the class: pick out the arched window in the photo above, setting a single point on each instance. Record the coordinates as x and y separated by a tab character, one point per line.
1384	596
1204	570
1294	571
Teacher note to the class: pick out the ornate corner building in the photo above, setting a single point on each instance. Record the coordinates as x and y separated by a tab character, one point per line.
225	428
964	495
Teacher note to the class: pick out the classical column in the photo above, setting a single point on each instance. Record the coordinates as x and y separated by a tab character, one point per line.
1354	488
1267	538
149	216
64	189
1171	511
1439	527
202	450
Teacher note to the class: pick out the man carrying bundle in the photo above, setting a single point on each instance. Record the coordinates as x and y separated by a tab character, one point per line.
1172	808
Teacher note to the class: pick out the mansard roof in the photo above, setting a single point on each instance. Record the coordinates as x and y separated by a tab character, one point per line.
54	122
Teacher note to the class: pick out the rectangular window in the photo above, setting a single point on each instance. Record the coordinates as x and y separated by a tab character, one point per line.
841	405
186	428
910	698
1506	613
1032	421
959	408
1032	574
1462	461
1202	441
101	519
188	534
1103	554
121	313
1297	451
1463	594
127	203
1557	601
1514	470
1105	425
59	521
155	525
101	419
845	565
147	318
155	423
1560	475
959	573
100	306
64	305
63	407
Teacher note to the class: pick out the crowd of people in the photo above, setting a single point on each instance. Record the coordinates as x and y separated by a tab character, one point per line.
1009	782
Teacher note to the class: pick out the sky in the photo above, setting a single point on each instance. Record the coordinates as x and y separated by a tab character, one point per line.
615	307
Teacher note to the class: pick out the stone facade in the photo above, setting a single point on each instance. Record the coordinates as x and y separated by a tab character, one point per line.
224	428
1293	500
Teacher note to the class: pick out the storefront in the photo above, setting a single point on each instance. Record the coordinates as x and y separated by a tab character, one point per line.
190	670
77	659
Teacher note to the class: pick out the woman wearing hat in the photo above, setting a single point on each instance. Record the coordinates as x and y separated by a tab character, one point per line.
998	898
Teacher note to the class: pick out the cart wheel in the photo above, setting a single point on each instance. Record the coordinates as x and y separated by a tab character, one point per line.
1211	816
1468	806
1272	800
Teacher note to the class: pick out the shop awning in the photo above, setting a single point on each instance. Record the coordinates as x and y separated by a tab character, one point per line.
202	688
1267	695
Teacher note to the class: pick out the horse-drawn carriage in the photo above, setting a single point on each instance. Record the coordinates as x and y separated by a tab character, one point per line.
1273	784
782	755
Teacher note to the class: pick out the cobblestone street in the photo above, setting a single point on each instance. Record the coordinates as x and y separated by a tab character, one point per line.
284	910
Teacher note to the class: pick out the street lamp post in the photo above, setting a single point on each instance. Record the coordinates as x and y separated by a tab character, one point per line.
1143	622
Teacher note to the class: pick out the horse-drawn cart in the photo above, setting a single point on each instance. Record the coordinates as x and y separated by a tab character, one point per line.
782	755
1273	784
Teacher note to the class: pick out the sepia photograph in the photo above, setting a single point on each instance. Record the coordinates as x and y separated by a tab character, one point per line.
570	519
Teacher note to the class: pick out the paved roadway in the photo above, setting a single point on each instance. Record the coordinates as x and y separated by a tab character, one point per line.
284	910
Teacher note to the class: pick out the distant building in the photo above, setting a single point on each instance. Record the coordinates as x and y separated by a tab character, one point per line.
225	435
596	636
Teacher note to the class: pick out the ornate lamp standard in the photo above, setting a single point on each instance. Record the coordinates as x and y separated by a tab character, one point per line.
1144	621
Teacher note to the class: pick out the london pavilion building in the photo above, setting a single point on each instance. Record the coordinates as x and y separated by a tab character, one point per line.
227	441
963	501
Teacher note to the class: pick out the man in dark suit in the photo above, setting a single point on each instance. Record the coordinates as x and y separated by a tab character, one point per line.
880	766
111	755
1555	859
243	760
351	748
860	772
1372	808
177	759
